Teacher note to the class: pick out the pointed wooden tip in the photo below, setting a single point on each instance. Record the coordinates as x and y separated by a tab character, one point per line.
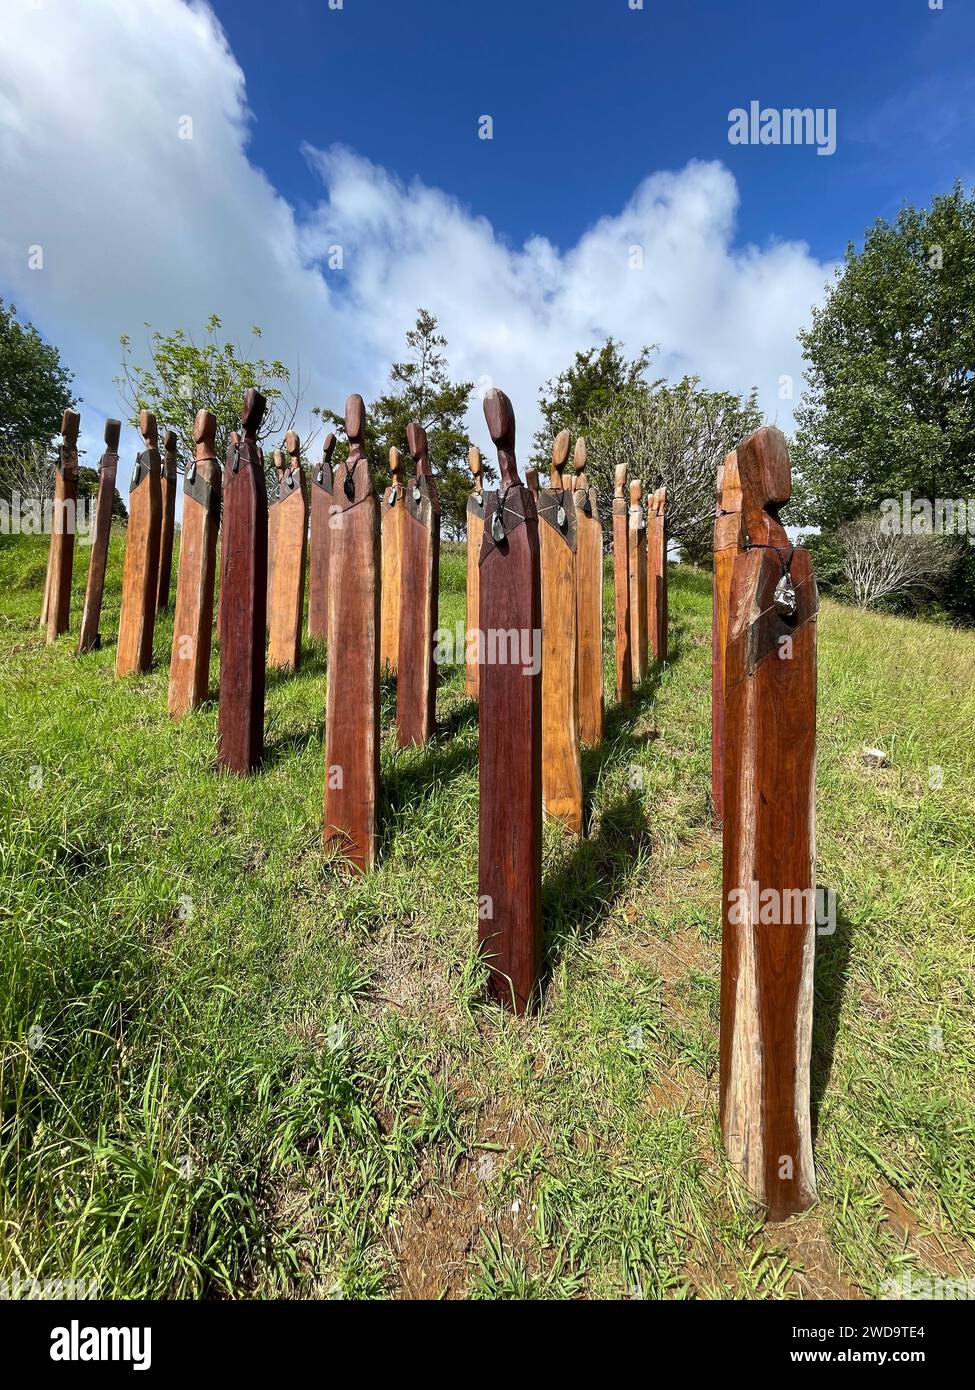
619	479
70	424
730	494
560	450
416	442
252	411
293	445
500	416
170	441
764	469
205	428
636	491
148	428
328	447
113	432
531	479
355	418
579	455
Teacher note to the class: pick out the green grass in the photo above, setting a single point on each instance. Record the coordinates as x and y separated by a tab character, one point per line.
228	1070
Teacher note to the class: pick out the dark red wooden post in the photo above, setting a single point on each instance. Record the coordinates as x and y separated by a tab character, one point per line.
416	678
189	667
243	596
510	841
621	587
475	537
140	574
89	639
167	481
286	590
318	539
63	528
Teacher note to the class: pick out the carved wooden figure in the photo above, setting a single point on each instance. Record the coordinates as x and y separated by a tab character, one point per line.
621	588
531	481
510	835
416	684
727	530
189	666
140	574
475	535
279	459
242	618
589	602
352	710
769	918
657	614
319	538
89	638
63	529
637	551
287	592
167	487
393	515
561	759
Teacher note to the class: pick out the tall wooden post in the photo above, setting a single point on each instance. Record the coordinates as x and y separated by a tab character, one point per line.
637	551
393	514
319	536
727	529
475	535
769	911
561	759
352	710
167	487
287	593
621	588
89	638
589	601
140	573
416	684
189	666
243	596
657	614
63	528
280	469
510	837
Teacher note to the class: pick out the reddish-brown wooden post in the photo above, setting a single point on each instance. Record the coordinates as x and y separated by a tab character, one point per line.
510	838
475	535
352	710
243	596
319	536
657	616
89	639
287	590
561	758
769	916
140	573
621	588
416	681
167	487
280	469
727	529
393	514
637	549
63	528
189	667
589	599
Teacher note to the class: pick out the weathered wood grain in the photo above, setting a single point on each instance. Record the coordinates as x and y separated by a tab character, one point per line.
589	602
637	552
63	528
769	922
416	681
561	758
140	572
393	521
189	666
319	537
242	619
657	605
167	533
727	533
621	588
287	600
352	708
89	638
475	536
510	816
279	461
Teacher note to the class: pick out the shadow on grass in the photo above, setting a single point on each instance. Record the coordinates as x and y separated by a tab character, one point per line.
832	976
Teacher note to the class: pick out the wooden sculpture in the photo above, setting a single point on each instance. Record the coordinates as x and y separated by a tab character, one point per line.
352	710
319	540
637	552
510	836
475	535
769	920
416	682
393	514
589	602
89	638
167	486
279	459
287	593
63	529
621	588
727	530
189	667
531	481
657	615
561	760
243	595
140	573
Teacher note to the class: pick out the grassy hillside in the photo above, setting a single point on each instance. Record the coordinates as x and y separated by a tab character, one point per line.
228	1070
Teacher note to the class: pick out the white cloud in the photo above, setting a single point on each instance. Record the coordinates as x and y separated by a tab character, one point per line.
139	225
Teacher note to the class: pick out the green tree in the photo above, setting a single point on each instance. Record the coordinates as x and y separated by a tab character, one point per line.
88	489
597	385
35	389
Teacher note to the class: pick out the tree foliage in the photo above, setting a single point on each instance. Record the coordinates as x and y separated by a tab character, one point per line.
598	385
35	388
